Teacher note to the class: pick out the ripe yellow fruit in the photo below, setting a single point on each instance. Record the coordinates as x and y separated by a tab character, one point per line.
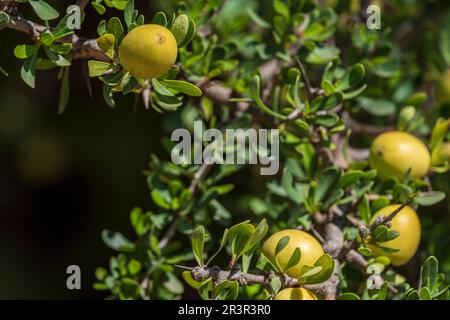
148	51
407	223
393	153
295	294
443	90
310	250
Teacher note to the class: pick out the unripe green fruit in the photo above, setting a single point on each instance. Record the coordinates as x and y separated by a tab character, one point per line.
148	51
310	248
295	294
407	223
393	153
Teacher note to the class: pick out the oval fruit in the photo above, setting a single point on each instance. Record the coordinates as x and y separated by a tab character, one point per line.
407	223
393	153
295	294
310	248
148	51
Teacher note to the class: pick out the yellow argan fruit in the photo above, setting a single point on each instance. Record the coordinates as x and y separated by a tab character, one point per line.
310	250
295	294
393	153
407	223
443	90
148	51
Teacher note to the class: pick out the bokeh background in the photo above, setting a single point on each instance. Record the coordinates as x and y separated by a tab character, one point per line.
64	178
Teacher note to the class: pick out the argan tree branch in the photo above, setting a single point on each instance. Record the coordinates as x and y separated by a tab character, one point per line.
363	128
385	220
218	275
83	48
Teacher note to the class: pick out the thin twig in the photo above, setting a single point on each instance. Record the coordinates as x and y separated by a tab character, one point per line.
384	220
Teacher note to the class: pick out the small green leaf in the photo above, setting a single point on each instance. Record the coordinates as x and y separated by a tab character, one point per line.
382	292
161	88
351	78
413	295
281	8
257	19
61	48
294	259
28	71
365	251
189	280
425	294
377	107
380	233
348	296
326	181
160	18
437	137
64	92
322	55
222	244
328	87
115	27
204	289
4	20
180	27
364	209
46	38
134	266
3	71
241	236
416	100
101	274
190	34
198	243
183	87
282	243
57	58
226	290
275	284
101	28
326	265
161	198
116	241
108	95
429	272
97	68
44	10
129	13
106	43
349	178
255	94
24	51
99	7
62	29
430	198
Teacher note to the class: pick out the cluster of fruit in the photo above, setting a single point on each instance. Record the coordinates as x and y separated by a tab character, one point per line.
392	155
149	51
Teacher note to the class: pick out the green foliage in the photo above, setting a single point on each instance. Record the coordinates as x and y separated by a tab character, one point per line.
321	77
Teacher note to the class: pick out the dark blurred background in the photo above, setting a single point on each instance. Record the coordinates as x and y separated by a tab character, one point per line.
64	178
